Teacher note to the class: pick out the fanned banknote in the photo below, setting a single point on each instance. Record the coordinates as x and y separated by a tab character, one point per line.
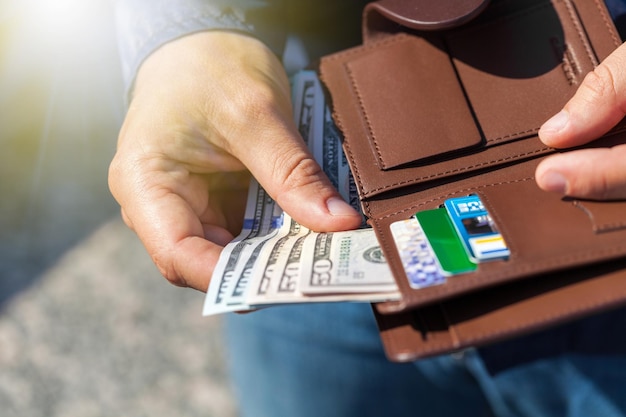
275	260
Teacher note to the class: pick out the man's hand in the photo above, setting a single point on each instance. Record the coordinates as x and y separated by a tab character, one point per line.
598	105
206	110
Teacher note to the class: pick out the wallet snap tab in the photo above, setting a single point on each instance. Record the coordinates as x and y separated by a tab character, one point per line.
428	14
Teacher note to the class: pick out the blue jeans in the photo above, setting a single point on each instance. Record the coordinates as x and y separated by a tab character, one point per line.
327	360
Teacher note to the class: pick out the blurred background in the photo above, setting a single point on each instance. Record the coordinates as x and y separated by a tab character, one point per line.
88	327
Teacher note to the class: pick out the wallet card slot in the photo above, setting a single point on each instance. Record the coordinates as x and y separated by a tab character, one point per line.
519	69
544	232
605	216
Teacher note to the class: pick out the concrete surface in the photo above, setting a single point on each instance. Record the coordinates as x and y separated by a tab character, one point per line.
88	327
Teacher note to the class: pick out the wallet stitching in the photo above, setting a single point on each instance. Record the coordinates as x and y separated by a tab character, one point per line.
450	194
368	123
458	170
512	135
607	227
580	32
607	22
598	227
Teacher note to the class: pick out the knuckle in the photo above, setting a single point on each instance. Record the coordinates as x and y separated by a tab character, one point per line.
260	98
599	84
296	170
165	265
127	220
253	108
255	102
114	174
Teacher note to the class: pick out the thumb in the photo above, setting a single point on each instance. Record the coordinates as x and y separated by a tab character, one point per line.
598	174
597	106
281	162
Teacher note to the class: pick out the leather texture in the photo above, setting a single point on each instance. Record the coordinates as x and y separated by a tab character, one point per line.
429	115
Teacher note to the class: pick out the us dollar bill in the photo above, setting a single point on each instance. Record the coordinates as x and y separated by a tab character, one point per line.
275	260
272	262
344	262
261	218
282	276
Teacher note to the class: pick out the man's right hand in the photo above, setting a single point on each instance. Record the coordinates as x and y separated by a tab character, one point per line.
206	109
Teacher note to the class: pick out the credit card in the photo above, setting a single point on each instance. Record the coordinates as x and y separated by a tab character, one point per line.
418	258
445	241
476	228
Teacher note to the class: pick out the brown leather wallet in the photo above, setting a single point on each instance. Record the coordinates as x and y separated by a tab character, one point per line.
432	114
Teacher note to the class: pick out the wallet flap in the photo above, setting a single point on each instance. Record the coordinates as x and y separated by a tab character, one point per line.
510	310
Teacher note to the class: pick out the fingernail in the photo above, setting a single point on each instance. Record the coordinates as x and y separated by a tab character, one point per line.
555	182
556	123
337	207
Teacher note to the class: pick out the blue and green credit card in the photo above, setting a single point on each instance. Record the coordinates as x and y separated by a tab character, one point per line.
476	229
445	242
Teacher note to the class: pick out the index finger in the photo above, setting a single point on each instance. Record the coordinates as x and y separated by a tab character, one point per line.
597	106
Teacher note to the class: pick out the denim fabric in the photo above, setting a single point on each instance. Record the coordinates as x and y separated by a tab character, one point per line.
327	360
568	385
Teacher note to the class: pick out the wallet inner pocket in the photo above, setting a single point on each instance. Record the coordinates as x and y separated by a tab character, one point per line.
605	216
411	102
441	103
519	69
